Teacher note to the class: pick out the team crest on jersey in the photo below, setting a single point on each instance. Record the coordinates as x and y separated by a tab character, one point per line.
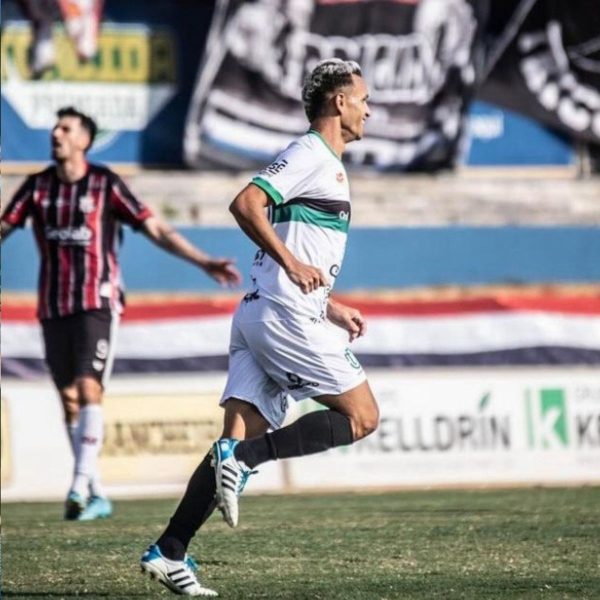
340	177
86	204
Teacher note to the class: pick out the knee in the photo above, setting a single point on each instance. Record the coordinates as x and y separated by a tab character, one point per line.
71	410
365	423
70	402
89	391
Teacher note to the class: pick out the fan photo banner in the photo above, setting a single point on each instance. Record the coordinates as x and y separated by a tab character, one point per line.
424	61
417	58
546	64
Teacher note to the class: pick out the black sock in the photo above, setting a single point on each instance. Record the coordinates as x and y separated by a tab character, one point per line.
315	432
195	507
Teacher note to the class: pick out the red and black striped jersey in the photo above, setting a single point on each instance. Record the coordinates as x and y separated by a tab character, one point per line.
77	228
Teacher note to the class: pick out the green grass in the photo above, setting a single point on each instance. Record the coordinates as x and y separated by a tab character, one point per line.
531	543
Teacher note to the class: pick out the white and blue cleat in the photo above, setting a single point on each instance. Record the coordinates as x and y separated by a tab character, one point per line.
96	508
177	575
74	506
231	477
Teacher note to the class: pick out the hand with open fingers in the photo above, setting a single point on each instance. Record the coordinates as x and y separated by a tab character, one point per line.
347	318
223	271
306	277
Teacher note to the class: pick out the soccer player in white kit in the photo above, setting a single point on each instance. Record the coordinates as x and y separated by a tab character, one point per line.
297	210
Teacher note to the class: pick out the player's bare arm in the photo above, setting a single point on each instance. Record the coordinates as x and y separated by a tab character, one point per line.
248	208
166	237
347	318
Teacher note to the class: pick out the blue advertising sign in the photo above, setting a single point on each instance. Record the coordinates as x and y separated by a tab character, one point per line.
499	137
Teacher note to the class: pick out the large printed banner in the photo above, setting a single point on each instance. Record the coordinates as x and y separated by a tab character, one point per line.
449	428
545	63
424	62
417	57
440	427
502	330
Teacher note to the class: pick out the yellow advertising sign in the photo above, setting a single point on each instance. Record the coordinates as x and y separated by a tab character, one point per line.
157	438
125	55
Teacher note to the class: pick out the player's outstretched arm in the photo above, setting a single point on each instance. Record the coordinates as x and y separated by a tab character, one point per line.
166	237
248	208
347	318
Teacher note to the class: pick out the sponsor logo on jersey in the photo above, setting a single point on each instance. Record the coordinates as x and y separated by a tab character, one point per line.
86	204
275	167
69	236
339	177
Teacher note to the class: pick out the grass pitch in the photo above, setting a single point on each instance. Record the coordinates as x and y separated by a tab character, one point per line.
530	543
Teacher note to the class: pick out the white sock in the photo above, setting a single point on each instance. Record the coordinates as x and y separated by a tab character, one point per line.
72	431
88	442
95	485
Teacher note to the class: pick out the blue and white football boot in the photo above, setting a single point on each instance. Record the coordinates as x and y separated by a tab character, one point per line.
231	476
96	508
177	575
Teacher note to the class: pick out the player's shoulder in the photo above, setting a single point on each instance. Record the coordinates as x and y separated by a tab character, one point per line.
305	148
309	141
41	178
48	171
100	169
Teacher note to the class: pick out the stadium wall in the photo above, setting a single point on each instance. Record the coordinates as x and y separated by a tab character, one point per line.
376	258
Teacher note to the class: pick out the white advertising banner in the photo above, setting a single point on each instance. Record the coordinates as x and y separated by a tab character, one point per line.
442	427
157	430
470	427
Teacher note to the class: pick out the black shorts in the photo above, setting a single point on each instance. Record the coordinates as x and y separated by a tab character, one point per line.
80	344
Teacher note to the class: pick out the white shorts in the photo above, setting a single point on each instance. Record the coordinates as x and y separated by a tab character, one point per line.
271	357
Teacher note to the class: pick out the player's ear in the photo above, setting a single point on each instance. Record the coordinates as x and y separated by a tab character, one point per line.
340	102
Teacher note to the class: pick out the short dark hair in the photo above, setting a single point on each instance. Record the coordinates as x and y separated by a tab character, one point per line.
327	77
86	121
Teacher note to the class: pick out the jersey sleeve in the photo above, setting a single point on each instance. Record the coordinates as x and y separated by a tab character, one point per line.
20	206
290	175
126	206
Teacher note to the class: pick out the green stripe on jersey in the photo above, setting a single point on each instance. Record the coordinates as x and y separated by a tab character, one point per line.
304	214
268	189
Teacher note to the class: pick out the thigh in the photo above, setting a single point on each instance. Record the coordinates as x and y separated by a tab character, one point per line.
356	402
248	381
95	344
243	420
59	351
306	359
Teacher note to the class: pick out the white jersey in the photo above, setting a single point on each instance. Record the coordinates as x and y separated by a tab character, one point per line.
311	215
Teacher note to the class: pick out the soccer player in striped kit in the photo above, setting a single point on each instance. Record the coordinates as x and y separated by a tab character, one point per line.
77	210
297	210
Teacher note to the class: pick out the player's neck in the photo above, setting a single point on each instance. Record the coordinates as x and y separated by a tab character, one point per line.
331	132
72	170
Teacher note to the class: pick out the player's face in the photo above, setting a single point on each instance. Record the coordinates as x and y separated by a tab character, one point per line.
356	110
68	139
